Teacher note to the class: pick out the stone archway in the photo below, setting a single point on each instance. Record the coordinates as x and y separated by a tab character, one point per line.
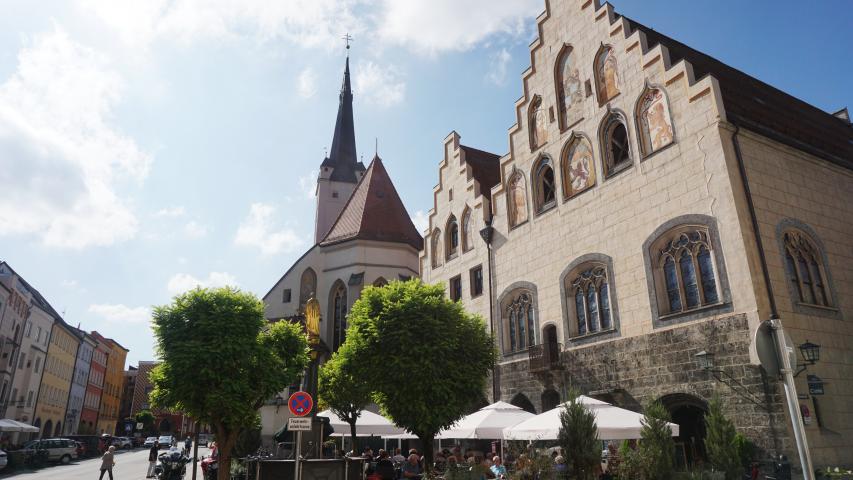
688	411
550	399
48	429
165	426
521	401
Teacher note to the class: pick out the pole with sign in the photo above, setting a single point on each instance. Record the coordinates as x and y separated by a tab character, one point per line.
300	405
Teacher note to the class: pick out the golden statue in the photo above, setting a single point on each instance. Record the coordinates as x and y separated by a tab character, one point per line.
312	319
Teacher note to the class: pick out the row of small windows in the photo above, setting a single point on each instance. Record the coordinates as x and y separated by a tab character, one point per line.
475	279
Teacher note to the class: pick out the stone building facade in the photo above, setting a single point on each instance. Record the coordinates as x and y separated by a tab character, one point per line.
108	419
52	401
654	204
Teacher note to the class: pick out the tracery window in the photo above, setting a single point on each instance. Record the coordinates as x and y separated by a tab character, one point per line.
685	273
307	287
653	121
570	92
517	200
436	248
519	316
805	269
537	123
545	185
577	166
589	299
467	230
606	74
452	240
338	301
614	144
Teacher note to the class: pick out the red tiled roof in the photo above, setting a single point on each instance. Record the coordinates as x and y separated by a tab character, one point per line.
485	167
375	212
765	109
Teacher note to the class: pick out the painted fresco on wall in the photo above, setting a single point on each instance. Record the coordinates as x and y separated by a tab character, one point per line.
579	167
467	230
517	200
571	90
655	122
436	248
307	286
607	75
538	124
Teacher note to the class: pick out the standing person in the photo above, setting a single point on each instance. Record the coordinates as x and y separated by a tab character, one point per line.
188	445
108	462
152	459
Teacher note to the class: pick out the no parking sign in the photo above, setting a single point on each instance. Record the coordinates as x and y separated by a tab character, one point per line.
300	404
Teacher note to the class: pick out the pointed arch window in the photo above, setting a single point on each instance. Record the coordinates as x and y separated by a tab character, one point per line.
570	93
654	121
517	200
338	307
615	146
307	287
519	315
685	273
805	269
545	185
588	299
467	230
606	74
577	166
380	282
537	123
435	246
452	234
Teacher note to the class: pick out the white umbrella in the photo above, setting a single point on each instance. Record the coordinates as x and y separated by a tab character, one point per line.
488	422
613	423
367	424
9	425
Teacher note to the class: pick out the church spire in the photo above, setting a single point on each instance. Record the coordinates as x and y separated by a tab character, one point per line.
342	156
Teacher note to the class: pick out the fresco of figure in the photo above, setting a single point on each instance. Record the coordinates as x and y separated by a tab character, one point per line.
656	121
581	170
608	76
517	201
539	124
572	91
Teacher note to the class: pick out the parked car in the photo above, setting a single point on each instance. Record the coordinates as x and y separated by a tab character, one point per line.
4	459
204	439
137	441
149	442
122	443
166	441
61	450
91	444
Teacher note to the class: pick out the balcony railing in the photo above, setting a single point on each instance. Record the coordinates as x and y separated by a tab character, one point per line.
545	356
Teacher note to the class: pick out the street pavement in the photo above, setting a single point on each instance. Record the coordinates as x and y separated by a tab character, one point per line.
130	465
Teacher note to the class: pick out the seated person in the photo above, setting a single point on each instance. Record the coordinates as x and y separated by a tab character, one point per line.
412	469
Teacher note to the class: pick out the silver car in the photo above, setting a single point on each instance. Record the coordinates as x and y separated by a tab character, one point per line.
61	450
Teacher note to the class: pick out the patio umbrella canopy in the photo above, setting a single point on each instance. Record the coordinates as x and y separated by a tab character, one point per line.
488	422
368	423
9	425
613	423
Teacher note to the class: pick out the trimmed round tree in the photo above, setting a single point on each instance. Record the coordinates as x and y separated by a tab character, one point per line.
440	356
343	389
221	360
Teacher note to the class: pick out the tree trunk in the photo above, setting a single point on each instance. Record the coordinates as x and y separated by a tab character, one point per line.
428	441
226	440
352	434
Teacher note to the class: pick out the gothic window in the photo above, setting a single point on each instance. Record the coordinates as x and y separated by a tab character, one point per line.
436	248
452	240
380	282
614	144
545	185
338	304
588	299
537	123
519	317
307	287
467	230
685	273
517	200
577	166
606	74
653	121
570	92
805	269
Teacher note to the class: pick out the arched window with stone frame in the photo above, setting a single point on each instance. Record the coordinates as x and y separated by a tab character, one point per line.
435	248
654	122
606	73
516	199
570	92
589	299
519	320
338	308
544	184
307	287
685	268
467	230
615	144
577	166
451	233
805	269
537	123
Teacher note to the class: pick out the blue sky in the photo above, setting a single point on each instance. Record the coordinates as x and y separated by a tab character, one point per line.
146	147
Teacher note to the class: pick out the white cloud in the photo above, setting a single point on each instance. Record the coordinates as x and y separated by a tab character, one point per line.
63	163
433	26
379	85
421	221
181	282
307	83
121	313
194	229
178	211
498	62
308	184
257	230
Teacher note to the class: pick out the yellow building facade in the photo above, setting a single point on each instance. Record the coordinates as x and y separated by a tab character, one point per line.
52	399
111	398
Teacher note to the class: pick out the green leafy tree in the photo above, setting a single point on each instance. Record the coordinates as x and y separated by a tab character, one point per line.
146	418
343	389
578	437
220	360
630	463
657	448
441	355
720	441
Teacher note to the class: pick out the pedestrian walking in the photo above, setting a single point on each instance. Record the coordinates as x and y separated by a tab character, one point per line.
152	459
188	445
108	462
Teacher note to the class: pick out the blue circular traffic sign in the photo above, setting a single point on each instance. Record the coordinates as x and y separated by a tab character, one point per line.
300	404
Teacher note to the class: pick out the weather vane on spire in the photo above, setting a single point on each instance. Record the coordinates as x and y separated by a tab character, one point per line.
348	38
